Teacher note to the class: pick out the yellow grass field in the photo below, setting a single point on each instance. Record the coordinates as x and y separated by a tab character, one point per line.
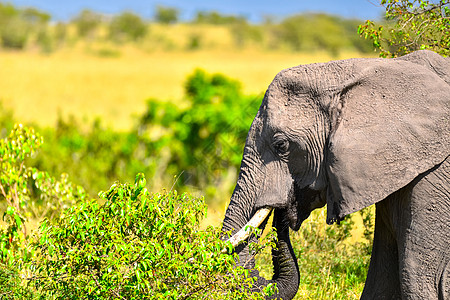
40	87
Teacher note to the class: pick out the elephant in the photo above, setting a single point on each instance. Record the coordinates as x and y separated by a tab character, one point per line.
349	134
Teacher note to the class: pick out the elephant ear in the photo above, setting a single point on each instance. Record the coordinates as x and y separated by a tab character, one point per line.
431	60
391	124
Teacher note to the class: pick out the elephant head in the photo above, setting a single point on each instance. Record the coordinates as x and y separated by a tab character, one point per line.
345	134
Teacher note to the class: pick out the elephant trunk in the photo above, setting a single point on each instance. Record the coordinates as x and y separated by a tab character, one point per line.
286	273
239	212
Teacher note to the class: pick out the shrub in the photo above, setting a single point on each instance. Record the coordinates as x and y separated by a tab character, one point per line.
130	244
203	141
216	18
25	192
15	33
26	196
136	245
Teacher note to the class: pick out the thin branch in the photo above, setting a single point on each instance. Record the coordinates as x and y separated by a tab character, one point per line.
99	286
4	193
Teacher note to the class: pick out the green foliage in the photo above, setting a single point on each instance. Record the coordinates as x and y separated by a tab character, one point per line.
130	244
136	245
205	139
25	192
127	27
12	286
195	42
26	196
166	15
15	33
411	25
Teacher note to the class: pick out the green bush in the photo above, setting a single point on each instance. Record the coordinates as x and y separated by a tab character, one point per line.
27	195
136	245
318	32
25	192
87	23
216	18
204	140
12	286
15	34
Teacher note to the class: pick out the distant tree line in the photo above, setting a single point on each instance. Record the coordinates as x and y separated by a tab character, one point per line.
18	25
408	25
22	28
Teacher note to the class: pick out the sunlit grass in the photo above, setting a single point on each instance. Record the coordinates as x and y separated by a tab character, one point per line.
80	83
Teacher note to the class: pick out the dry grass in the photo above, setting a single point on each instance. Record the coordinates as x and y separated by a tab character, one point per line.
75	82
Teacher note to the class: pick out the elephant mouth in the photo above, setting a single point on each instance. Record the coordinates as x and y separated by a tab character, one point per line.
301	204
258	218
297	211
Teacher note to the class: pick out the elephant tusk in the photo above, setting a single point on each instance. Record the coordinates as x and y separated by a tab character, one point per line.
245	231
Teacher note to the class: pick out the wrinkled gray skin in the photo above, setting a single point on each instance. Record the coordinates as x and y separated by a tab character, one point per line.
348	134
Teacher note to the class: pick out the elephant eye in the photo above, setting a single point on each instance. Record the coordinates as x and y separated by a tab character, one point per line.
281	145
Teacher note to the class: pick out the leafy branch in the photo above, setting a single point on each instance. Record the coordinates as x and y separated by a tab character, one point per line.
410	26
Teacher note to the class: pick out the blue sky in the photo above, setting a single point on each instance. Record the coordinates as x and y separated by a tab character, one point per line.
254	10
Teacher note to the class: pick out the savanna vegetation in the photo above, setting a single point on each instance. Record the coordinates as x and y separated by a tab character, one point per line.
72	227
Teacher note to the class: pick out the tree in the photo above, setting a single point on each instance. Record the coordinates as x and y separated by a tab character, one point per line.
87	22
411	25
127	26
216	18
166	15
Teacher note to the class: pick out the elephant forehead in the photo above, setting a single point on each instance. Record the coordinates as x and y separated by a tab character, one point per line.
292	81
295	111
